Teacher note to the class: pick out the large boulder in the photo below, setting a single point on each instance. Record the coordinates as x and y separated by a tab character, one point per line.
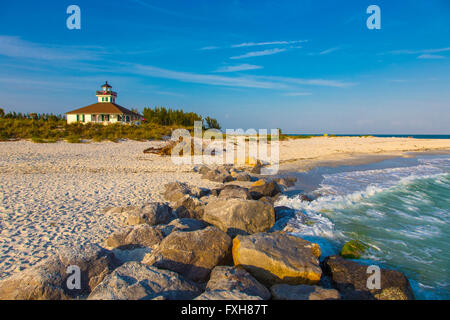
303	292
177	190
189	207
239	216
286	182
192	254
218	175
142	235
278	258
236	279
137	281
241	176
49	279
152	213
226	295
233	191
257	167
264	189
351	279
183	225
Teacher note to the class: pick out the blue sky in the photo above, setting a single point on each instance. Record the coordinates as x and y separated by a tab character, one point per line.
303	66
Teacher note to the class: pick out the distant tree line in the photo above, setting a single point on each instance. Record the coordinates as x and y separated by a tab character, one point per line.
32	116
171	117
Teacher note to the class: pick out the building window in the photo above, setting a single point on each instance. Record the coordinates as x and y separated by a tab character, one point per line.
93	117
78	117
107	117
82	118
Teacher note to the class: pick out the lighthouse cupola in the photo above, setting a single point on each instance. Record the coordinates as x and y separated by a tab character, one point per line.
106	94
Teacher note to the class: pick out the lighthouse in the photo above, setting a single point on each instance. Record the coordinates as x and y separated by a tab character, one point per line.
105	111
106	94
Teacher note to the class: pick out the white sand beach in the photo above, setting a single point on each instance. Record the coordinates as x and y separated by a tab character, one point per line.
52	195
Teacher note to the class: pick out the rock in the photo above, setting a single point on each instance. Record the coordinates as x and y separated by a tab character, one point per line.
48	280
257	167
286	182
241	176
283	211
204	169
350	278
353	249
267	199
131	254
218	176
137	281
303	292
259	182
278	258
239	216
142	235
268	189
236	279
193	254
306	198
176	190
183	225
189	207
226	295
152	213
233	191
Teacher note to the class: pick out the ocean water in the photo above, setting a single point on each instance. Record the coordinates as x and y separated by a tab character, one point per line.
400	208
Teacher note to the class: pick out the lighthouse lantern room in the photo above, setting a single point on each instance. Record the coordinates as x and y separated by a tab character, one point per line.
106	94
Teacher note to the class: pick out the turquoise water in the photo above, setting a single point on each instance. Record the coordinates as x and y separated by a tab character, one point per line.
402	213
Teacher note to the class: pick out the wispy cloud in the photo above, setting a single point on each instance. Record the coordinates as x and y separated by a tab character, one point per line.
267	52
252	44
209	79
297	94
310	82
329	50
424	51
241	67
430	56
209	48
263	82
17	48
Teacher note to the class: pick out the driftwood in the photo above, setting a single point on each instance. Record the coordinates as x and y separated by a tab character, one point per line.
165	150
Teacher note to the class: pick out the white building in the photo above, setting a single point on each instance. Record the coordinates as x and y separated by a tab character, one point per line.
105	111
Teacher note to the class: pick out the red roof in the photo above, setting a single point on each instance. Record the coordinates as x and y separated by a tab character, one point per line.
103	108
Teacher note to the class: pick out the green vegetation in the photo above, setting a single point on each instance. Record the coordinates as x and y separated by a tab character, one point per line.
171	117
353	249
49	128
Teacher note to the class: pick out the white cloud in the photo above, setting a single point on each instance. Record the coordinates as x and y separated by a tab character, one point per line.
267	52
241	67
252	44
209	48
263	82
310	82
424	51
297	94
329	51
430	56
